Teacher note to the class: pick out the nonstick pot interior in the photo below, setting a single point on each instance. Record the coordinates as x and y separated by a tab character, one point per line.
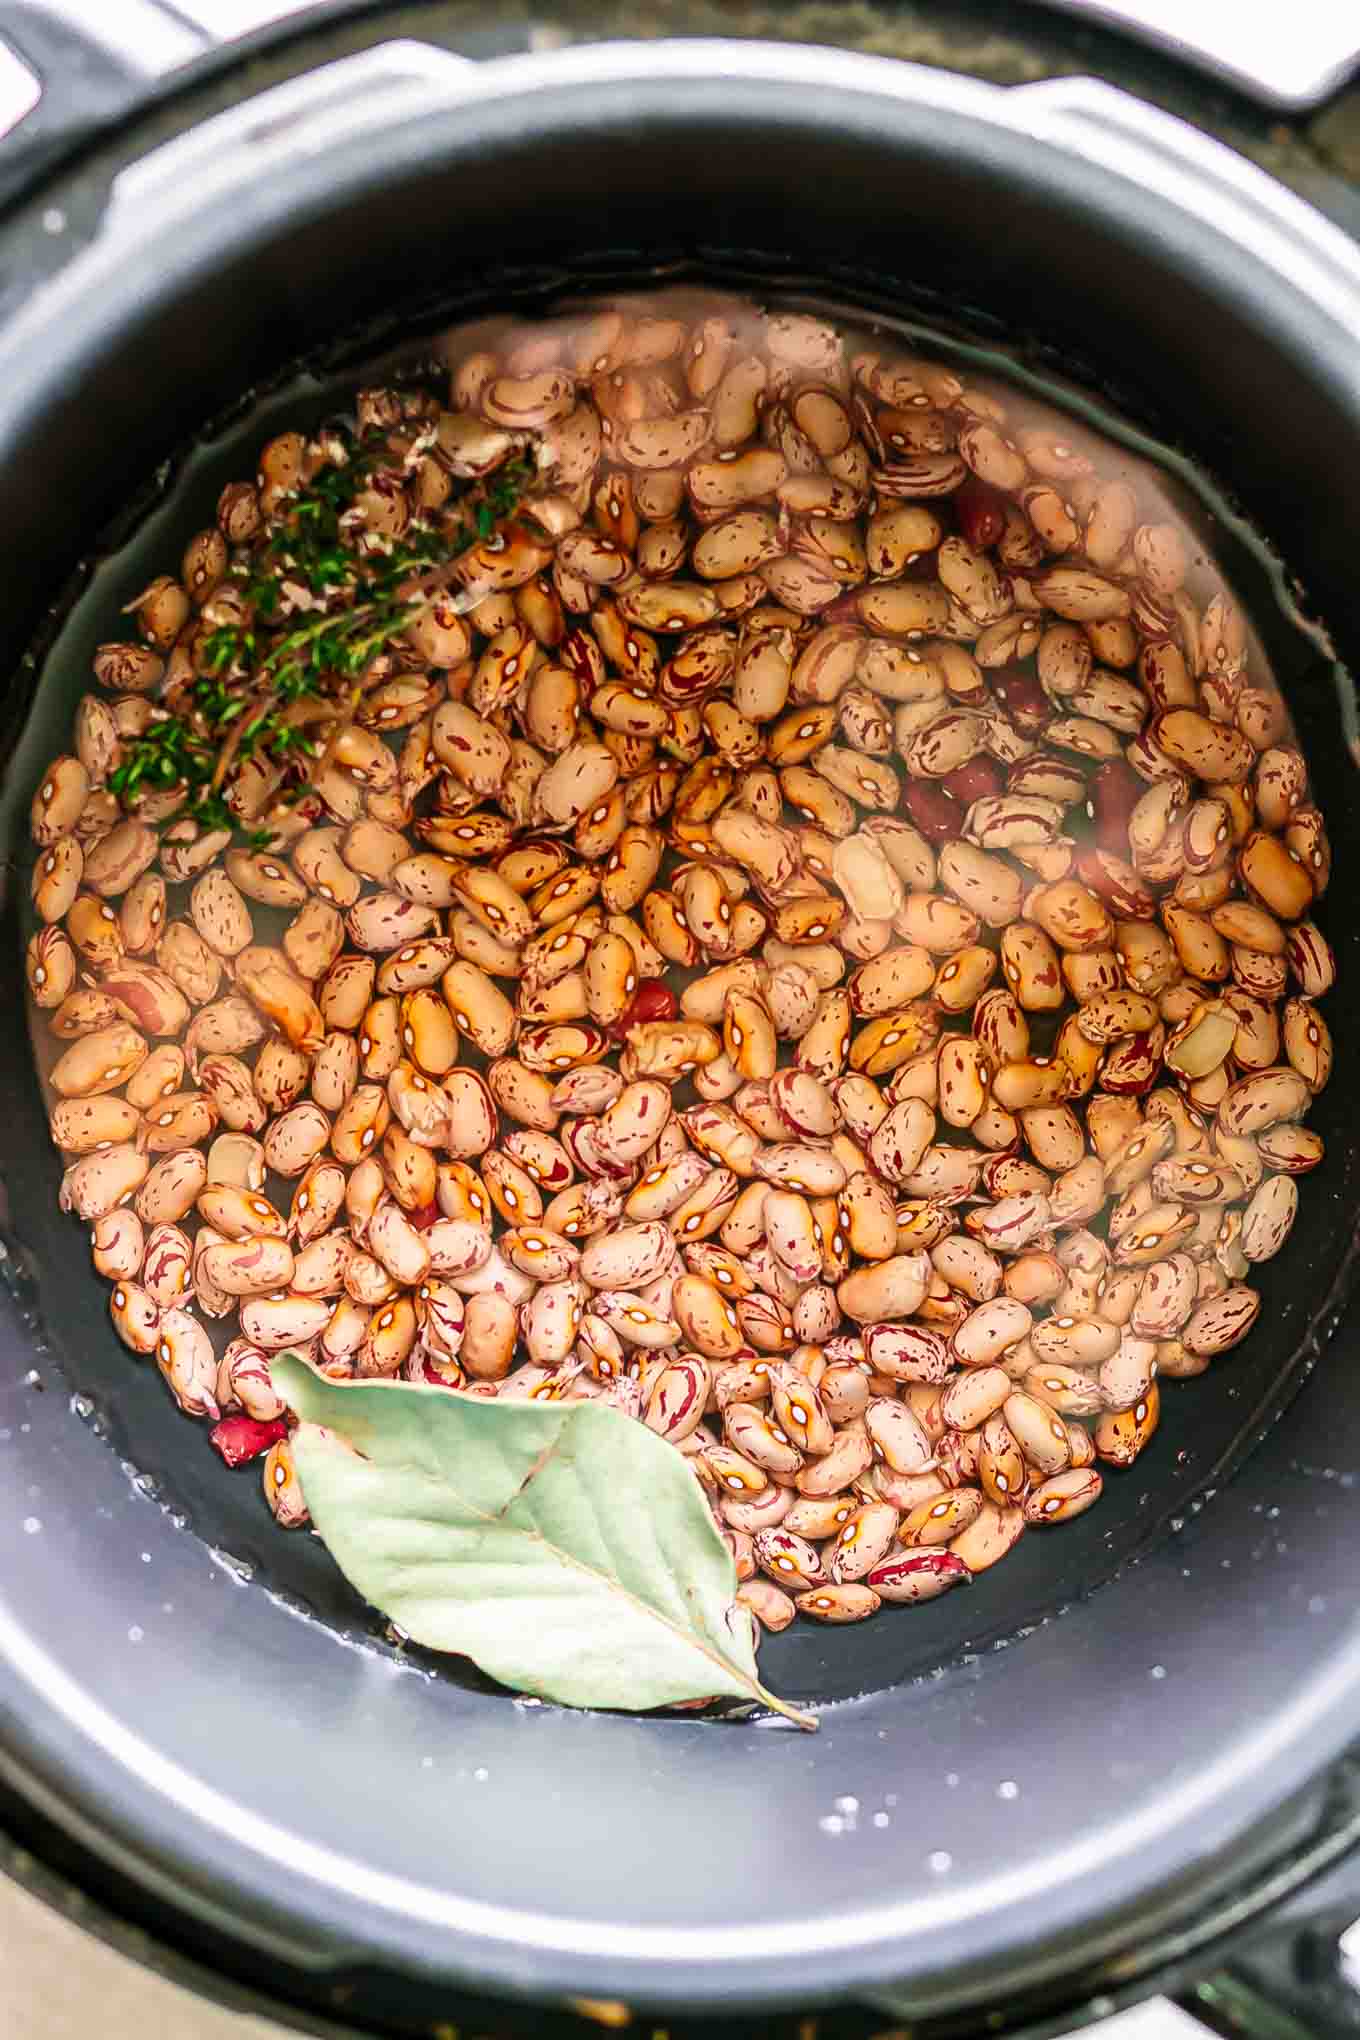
1006	1771
1208	1423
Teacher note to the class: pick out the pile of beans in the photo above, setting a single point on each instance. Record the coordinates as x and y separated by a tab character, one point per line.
825	963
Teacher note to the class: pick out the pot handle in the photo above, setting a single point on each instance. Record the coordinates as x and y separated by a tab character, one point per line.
86	88
1296	1975
92	66
1157	151
1276	1959
1295	68
88	74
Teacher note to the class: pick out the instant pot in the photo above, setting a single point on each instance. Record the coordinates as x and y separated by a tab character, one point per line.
1125	1761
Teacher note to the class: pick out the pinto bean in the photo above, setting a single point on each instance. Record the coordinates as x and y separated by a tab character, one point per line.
924	771
249	1267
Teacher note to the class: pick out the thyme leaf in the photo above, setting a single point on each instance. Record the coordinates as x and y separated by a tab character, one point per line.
314	554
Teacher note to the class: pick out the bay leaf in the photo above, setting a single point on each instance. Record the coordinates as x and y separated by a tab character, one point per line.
564	1547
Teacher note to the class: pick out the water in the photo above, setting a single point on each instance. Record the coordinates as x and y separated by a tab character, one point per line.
237	1570
1281	645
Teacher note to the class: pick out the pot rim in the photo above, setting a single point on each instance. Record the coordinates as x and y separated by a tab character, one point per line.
1135	144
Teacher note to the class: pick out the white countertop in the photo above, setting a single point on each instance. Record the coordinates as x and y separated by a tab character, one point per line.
58	1983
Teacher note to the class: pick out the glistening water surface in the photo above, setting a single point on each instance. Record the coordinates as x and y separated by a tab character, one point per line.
917	612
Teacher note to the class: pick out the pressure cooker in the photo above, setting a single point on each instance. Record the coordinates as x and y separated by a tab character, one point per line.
1126	1760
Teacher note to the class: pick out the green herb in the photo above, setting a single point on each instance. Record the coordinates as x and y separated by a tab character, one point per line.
247	702
563	1546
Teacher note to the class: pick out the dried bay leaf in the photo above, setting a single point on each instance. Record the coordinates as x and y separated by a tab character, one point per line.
565	1548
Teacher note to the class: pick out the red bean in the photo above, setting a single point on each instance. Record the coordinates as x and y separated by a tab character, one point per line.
981	512
241	1439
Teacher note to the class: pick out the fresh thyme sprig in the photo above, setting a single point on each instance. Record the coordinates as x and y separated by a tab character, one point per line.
246	701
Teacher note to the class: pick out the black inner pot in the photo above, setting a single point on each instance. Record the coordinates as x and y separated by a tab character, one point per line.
1018	1775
